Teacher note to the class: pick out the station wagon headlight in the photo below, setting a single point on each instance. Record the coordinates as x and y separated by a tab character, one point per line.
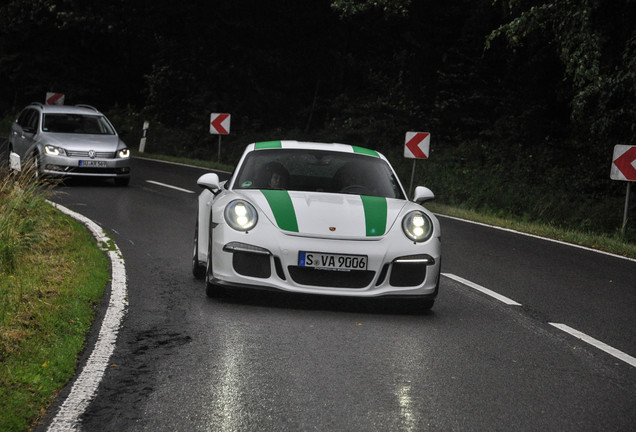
417	226
124	153
54	151
241	215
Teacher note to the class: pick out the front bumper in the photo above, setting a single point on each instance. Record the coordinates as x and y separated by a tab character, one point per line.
266	258
85	167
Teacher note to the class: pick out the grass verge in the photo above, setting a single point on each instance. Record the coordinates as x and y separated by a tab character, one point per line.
185	161
52	276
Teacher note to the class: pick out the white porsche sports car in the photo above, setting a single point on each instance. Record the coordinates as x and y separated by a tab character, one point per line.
318	219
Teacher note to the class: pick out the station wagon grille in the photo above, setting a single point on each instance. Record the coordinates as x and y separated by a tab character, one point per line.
84	154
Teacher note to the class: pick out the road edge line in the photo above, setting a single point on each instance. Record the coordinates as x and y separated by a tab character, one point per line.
561	242
87	382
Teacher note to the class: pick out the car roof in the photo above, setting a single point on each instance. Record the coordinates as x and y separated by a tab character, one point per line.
306	145
66	109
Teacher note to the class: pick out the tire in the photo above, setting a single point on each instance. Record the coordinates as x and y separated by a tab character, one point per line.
211	290
37	169
198	270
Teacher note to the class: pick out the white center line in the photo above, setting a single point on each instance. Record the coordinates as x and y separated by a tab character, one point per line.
482	289
169	186
597	343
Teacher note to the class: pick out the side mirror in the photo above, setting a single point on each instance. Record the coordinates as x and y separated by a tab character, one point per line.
209	181
423	194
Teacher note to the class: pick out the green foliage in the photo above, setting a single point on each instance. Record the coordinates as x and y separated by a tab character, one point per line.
540	108
350	8
51	276
586	35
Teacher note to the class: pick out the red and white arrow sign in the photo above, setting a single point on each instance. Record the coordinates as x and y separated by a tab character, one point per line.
219	124
624	163
54	99
417	145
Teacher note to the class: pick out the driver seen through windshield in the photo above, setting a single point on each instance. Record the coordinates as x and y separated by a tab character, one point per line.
318	171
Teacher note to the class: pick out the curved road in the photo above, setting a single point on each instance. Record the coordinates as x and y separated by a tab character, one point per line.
269	361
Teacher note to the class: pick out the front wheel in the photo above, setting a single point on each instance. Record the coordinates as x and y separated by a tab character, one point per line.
198	270
37	166
211	289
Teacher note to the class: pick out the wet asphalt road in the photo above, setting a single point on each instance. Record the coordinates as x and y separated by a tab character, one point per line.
268	361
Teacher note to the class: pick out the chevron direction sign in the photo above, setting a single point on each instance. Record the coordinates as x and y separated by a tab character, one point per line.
219	124
54	98
624	163
417	145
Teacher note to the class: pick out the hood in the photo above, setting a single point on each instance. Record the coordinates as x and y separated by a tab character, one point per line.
327	215
84	142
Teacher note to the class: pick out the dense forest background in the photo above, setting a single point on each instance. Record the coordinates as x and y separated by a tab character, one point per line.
525	99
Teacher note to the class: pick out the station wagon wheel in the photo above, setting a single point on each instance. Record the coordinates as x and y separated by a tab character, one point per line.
211	290
37	169
198	270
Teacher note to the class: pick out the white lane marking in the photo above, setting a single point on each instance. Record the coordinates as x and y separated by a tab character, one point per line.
85	386
484	290
588	339
169	186
596	343
537	237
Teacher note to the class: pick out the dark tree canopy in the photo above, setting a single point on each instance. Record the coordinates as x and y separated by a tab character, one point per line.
519	94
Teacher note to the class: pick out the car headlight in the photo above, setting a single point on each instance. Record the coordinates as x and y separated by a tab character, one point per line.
124	153
54	151
417	226
241	215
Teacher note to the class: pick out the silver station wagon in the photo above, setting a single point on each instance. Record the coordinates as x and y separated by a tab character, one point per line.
61	140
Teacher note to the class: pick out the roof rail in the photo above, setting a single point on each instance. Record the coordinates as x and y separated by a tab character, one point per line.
87	106
37	103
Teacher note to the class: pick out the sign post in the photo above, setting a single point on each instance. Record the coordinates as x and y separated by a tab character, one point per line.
416	146
624	168
142	142
219	125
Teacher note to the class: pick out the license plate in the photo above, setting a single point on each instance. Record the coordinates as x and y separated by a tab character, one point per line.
327	261
92	164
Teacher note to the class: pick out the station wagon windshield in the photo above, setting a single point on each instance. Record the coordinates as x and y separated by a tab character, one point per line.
77	124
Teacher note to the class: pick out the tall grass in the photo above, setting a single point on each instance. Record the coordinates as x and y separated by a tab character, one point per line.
52	274
21	202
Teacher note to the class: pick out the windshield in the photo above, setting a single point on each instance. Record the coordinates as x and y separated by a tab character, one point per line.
77	124
318	171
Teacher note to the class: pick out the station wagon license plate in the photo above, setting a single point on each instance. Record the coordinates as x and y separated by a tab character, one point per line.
92	164
327	261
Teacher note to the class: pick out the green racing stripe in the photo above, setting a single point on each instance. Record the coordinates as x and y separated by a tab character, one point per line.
365	151
375	214
267	145
281	204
